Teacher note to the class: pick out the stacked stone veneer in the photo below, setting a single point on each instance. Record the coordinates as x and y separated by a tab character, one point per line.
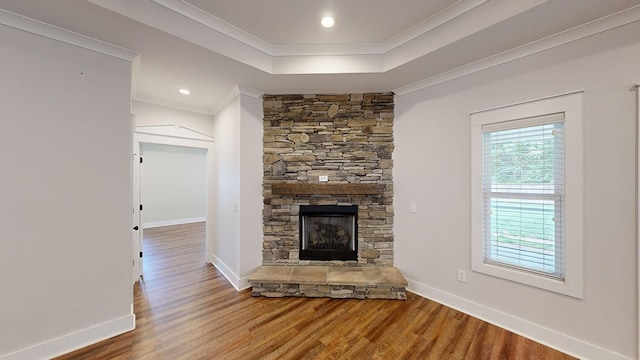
331	291
347	137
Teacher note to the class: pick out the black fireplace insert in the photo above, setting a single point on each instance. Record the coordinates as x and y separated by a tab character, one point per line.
328	232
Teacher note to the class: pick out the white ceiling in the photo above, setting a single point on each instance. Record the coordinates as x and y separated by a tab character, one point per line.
380	21
278	46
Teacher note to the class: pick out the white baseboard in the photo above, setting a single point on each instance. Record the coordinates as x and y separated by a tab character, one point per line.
74	341
153	224
566	344
244	283
239	283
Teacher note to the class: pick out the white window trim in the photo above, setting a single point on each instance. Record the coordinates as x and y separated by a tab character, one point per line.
571	105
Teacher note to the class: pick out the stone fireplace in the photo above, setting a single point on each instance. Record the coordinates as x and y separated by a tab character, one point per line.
328	196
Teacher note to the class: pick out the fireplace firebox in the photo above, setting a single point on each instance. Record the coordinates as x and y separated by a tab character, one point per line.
328	232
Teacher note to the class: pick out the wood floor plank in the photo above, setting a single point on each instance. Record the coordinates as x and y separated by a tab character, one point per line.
186	309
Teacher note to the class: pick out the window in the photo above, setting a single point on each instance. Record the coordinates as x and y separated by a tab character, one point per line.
527	193
523	168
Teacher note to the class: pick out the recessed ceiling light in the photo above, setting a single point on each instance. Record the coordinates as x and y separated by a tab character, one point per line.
327	21
184	92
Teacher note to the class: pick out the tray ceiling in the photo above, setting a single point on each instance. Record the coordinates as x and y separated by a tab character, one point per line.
220	48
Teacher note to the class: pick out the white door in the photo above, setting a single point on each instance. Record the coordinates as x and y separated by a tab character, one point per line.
137	214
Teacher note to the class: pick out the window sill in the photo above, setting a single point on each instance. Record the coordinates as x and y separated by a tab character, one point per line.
531	279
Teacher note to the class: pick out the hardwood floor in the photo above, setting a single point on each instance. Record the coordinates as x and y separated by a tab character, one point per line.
186	309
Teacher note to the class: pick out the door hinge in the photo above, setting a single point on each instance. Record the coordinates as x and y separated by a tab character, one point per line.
140	159
140	253
140	207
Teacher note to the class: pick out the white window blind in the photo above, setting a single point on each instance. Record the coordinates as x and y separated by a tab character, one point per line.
523	194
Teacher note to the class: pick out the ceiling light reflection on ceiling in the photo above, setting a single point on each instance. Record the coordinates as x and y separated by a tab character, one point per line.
327	21
184	92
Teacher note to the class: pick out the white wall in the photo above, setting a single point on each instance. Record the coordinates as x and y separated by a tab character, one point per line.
226	190
432	169
250	186
152	114
173	184
237	213
65	215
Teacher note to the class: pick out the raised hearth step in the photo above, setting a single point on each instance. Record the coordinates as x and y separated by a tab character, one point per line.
329	281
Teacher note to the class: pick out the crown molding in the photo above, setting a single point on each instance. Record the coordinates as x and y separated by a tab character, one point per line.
162	18
68	37
236	91
451	12
196	14
594	27
455	30
181	19
212	22
221	37
256	94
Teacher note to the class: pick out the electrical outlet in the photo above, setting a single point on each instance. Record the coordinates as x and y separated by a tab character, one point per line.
462	275
413	207
323	178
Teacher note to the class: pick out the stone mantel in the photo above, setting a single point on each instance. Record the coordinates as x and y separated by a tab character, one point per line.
326	189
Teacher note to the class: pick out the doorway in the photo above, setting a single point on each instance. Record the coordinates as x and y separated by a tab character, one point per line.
160	137
173	185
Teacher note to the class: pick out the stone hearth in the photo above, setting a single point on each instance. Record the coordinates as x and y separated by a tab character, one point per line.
329	281
346	139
